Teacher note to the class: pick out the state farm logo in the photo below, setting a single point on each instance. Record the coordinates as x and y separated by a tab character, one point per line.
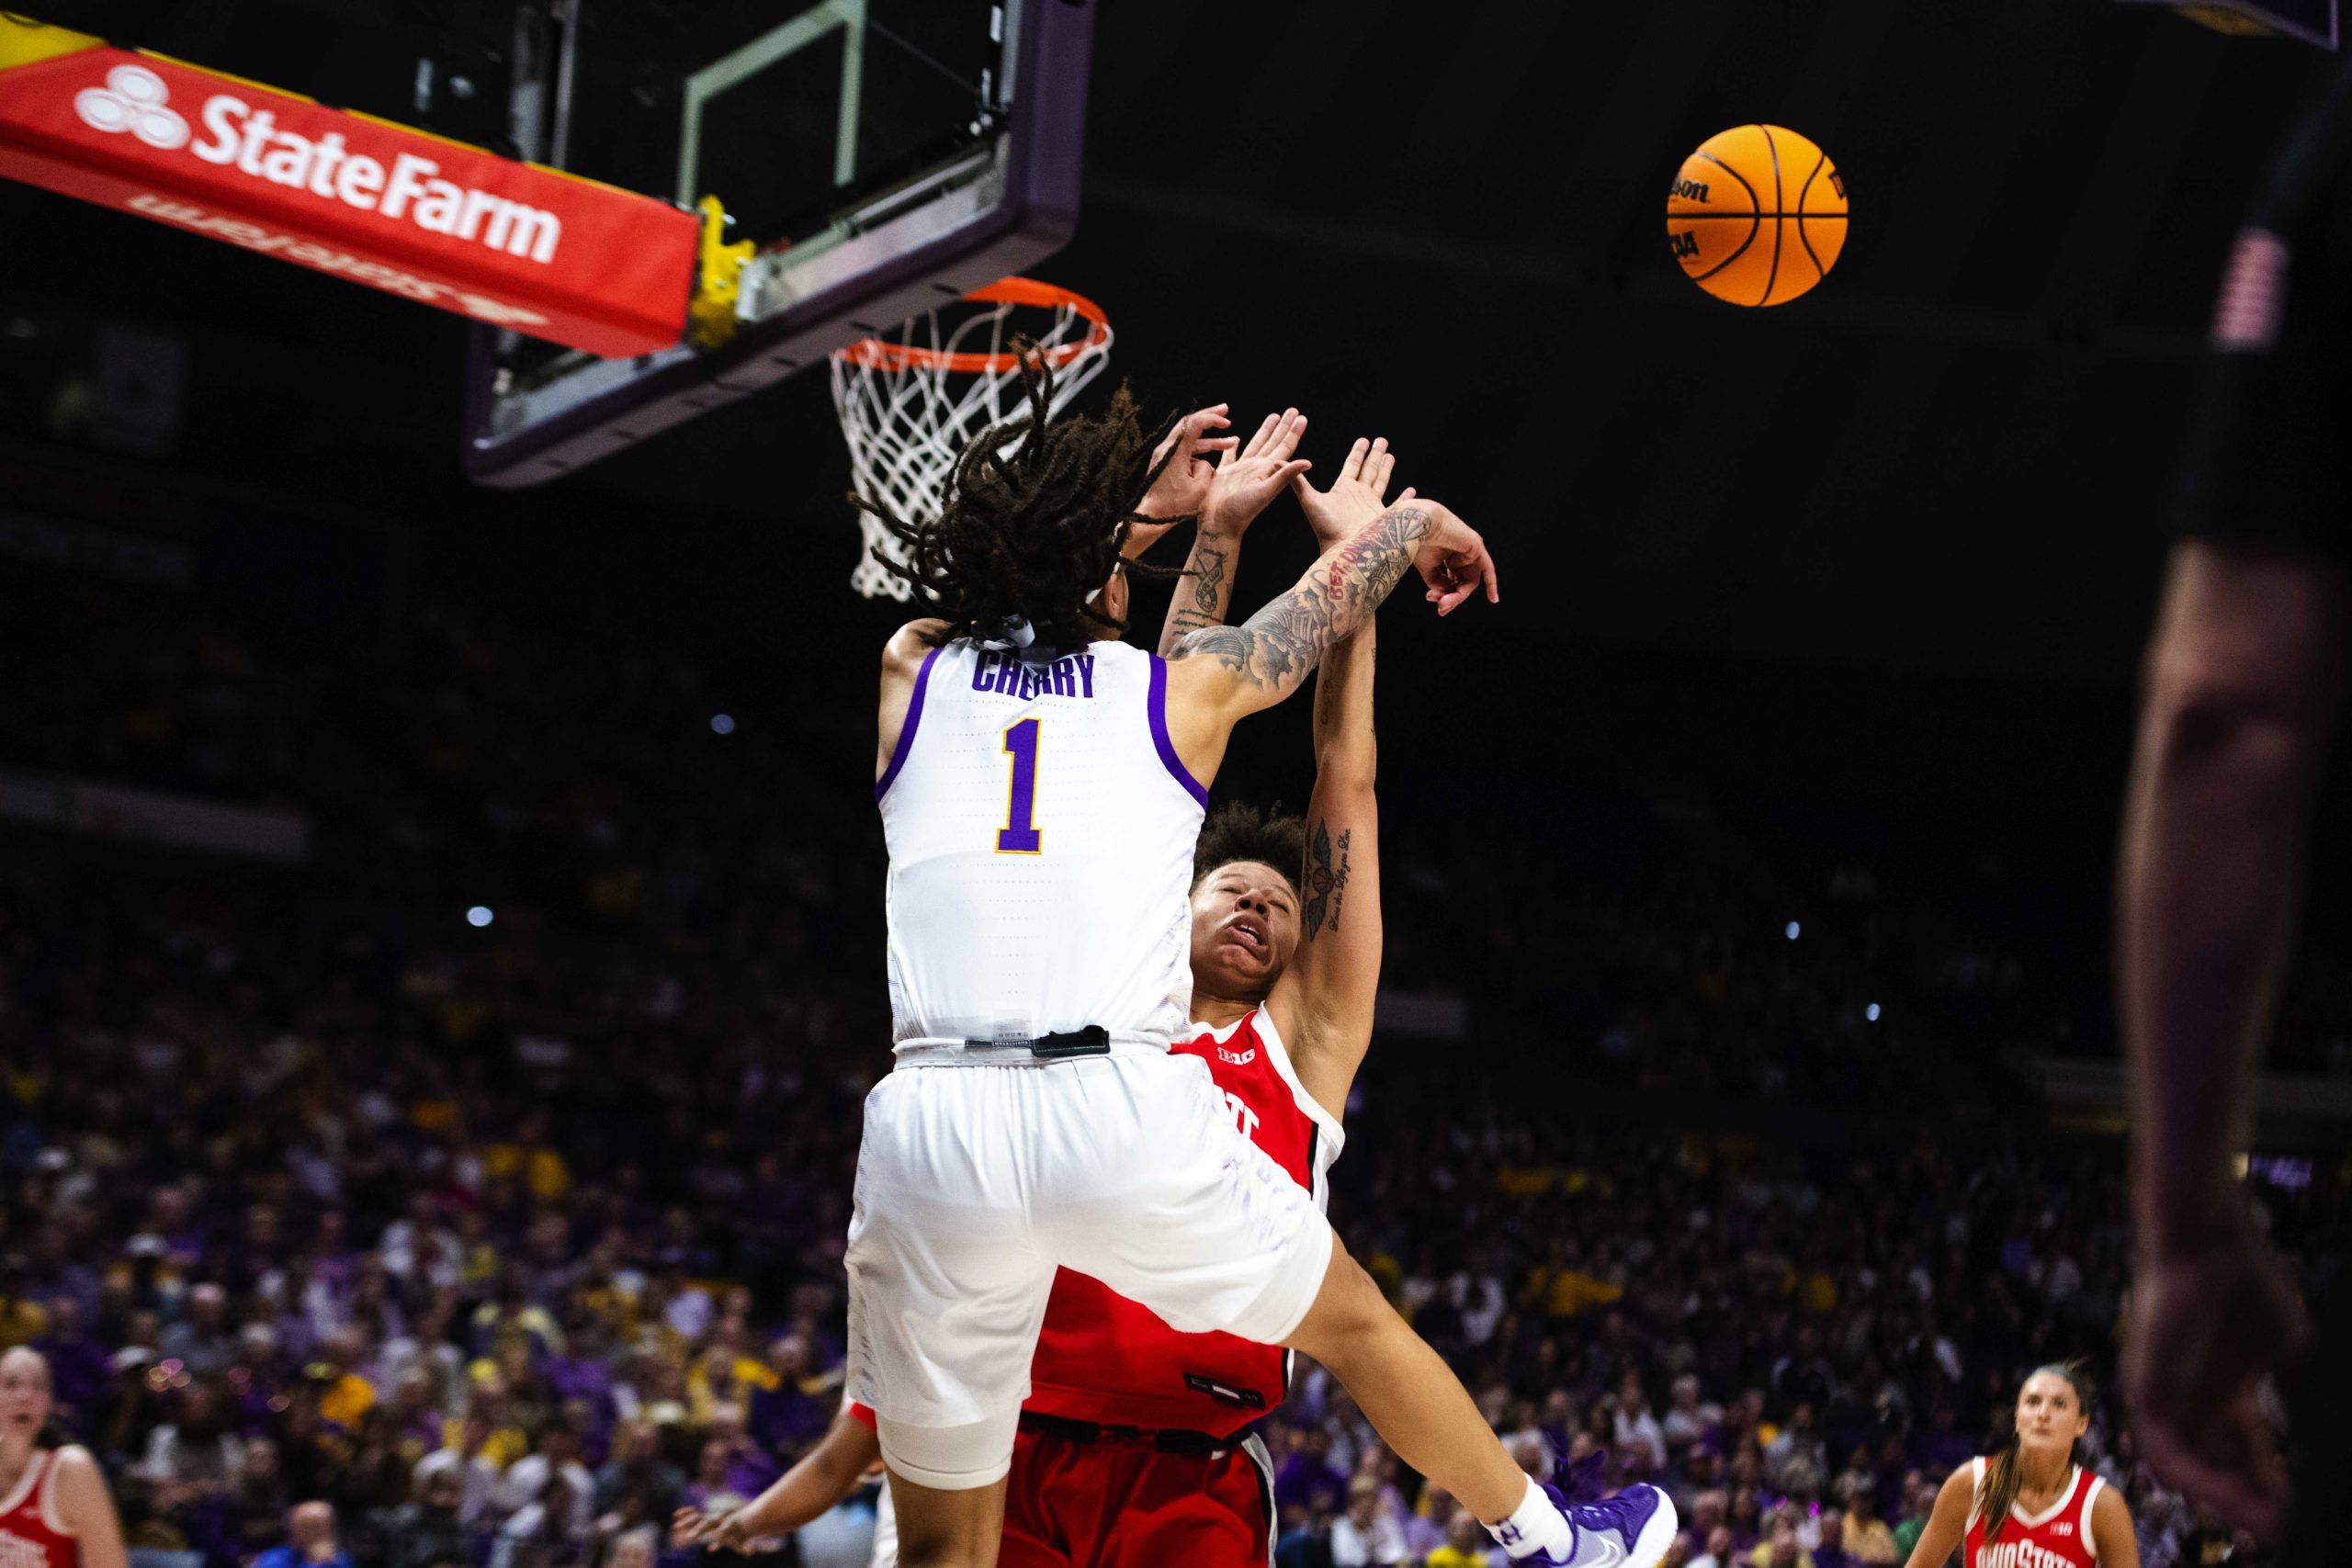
134	99
404	185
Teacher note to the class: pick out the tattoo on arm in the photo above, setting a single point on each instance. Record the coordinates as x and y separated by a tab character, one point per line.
1280	645
1326	881
1212	586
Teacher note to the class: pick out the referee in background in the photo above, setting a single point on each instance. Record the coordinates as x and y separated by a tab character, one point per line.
2244	688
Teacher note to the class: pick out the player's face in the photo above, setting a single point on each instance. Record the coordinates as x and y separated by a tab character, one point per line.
1245	927
2050	1413
24	1393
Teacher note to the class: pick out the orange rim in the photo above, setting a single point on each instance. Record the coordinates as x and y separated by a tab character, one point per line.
875	354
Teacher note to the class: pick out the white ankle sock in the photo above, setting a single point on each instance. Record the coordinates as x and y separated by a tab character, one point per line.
1536	1524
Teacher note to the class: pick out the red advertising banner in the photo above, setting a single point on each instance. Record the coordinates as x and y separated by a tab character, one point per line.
513	244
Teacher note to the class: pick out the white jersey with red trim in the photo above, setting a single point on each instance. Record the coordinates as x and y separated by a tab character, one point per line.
31	1534
2058	1537
1041	830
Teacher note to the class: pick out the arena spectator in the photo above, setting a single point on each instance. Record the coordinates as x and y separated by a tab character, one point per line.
429	1530
309	1540
1367	1535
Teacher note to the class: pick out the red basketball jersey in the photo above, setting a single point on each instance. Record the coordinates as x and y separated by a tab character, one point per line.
32	1535
1104	1359
2059	1537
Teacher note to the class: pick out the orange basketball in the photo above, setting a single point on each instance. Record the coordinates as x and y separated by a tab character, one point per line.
1758	215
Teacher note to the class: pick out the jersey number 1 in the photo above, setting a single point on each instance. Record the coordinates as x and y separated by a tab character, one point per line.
1019	836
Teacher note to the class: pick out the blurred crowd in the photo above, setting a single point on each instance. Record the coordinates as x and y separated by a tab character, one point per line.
358	1227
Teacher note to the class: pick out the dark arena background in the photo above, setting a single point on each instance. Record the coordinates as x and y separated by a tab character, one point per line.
441	943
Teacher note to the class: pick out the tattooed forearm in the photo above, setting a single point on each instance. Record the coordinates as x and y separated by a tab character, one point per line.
1326	881
1209	569
1209	582
1280	645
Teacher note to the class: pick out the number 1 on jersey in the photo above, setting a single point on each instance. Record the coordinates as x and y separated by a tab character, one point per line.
1019	836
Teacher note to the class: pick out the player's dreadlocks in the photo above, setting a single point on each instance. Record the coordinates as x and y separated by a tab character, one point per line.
1237	830
1035	514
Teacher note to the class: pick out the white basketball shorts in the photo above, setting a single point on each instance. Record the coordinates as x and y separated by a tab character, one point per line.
973	1182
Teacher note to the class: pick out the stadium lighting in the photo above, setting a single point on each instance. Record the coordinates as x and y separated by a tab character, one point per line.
1870	1012
1791	930
722	724
479	915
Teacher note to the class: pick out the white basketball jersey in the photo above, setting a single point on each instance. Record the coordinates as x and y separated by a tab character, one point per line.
1041	830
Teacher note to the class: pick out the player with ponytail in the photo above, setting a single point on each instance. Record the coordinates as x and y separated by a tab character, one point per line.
2033	1504
55	1511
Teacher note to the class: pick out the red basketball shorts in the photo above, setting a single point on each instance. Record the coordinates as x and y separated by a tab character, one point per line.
1073	1505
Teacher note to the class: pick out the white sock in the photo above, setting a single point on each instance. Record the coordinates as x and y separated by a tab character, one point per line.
1536	1524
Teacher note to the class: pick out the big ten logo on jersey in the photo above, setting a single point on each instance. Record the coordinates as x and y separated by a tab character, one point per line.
1009	675
1243	1117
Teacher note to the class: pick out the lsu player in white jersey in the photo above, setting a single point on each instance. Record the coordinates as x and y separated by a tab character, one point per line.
1042	784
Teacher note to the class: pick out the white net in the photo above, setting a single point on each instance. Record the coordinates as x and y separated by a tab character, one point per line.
912	402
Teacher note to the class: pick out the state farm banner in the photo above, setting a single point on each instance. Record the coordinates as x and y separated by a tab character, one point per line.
510	244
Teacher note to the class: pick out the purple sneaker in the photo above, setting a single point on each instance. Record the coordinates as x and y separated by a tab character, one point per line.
1632	1529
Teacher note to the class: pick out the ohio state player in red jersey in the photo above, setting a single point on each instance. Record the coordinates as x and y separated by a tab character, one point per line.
55	1511
2033	1505
1131	1452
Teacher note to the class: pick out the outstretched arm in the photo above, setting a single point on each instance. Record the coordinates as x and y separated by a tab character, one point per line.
826	1474
1324	1002
1218	676
1238	492
2245	683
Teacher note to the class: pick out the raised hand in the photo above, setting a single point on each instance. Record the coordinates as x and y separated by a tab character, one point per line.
1182	487
1455	563
1452	560
1247	481
1357	496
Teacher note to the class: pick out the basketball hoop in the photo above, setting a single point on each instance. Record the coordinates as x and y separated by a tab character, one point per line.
910	402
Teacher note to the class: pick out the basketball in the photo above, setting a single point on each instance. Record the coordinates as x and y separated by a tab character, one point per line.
1758	215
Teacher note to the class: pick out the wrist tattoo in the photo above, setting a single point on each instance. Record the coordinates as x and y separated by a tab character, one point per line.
1327	880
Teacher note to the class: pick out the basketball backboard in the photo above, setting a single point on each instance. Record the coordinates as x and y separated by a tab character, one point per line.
878	156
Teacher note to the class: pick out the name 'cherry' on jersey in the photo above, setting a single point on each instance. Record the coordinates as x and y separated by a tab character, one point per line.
1041	830
1104	1359
2058	1537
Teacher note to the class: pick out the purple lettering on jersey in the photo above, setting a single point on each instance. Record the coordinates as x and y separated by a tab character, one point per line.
1008	674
